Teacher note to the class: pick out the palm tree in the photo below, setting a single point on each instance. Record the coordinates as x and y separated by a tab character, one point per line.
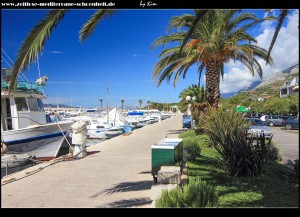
140	102
218	38
192	90
148	103
101	100
122	102
281	17
34	43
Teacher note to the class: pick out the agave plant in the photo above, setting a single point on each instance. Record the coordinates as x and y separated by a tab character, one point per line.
227	133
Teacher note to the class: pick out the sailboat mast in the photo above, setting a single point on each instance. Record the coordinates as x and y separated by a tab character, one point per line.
57	101
107	101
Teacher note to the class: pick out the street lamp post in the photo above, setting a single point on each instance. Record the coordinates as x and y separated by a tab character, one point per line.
189	99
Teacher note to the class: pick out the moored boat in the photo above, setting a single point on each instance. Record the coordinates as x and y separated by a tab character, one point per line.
24	126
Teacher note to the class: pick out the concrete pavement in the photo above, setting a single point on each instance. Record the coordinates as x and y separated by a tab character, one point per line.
116	173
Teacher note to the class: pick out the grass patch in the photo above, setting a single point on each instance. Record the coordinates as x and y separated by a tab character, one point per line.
277	186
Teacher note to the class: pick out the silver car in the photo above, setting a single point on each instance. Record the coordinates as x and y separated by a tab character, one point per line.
257	128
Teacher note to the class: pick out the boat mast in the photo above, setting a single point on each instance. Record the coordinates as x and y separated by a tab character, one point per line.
57	101
107	101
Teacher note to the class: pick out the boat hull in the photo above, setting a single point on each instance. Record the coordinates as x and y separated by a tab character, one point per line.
44	141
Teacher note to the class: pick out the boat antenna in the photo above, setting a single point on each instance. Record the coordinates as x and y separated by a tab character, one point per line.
38	65
19	75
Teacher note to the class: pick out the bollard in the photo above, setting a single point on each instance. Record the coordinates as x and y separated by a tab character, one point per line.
79	139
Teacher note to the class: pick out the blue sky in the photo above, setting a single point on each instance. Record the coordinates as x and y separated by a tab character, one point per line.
118	53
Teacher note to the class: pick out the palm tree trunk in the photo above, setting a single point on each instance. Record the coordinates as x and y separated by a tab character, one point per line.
212	75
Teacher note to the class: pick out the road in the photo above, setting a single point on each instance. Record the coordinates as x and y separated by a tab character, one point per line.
288	142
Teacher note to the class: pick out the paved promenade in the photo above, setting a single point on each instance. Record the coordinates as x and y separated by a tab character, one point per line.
116	173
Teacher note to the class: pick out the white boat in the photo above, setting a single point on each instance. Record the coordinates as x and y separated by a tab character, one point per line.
98	130
24	126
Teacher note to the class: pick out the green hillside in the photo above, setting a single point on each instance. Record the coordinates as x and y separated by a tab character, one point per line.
270	95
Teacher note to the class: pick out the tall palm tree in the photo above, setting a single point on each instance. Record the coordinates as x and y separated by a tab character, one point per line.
219	37
101	100
140	102
148	104
34	43
281	17
122	102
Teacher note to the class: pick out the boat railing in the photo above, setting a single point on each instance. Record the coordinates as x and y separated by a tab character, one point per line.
5	124
23	86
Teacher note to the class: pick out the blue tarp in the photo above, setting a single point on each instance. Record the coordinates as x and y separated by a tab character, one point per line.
135	113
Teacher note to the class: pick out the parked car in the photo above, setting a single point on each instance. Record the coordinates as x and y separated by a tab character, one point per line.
257	127
274	120
255	115
291	122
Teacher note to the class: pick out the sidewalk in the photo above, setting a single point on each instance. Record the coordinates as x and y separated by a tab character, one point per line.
116	173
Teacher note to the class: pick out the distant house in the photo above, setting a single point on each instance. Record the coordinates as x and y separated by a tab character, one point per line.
290	87
260	99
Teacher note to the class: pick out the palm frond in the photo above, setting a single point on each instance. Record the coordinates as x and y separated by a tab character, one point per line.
178	22
163	40
199	15
34	43
88	28
281	18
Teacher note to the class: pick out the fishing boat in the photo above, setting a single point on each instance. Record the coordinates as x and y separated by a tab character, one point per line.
24	126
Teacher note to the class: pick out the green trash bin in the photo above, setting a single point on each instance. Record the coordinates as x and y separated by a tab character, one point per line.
166	152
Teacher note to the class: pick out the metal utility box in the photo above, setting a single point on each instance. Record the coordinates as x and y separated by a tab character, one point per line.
164	153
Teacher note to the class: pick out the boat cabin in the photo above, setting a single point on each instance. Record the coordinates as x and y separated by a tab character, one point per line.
22	107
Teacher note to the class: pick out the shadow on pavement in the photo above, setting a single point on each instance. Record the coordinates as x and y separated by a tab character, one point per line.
145	172
126	186
130	202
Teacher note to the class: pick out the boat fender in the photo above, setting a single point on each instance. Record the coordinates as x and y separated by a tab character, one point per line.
3	148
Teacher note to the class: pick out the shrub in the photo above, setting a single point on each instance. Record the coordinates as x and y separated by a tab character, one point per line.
227	132
191	148
274	153
188	133
196	193
171	198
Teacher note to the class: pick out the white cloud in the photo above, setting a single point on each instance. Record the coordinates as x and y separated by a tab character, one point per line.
136	55
285	53
56	52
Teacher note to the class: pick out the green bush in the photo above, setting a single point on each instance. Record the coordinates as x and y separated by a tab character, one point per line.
172	198
227	132
196	193
188	133
191	148
274	153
